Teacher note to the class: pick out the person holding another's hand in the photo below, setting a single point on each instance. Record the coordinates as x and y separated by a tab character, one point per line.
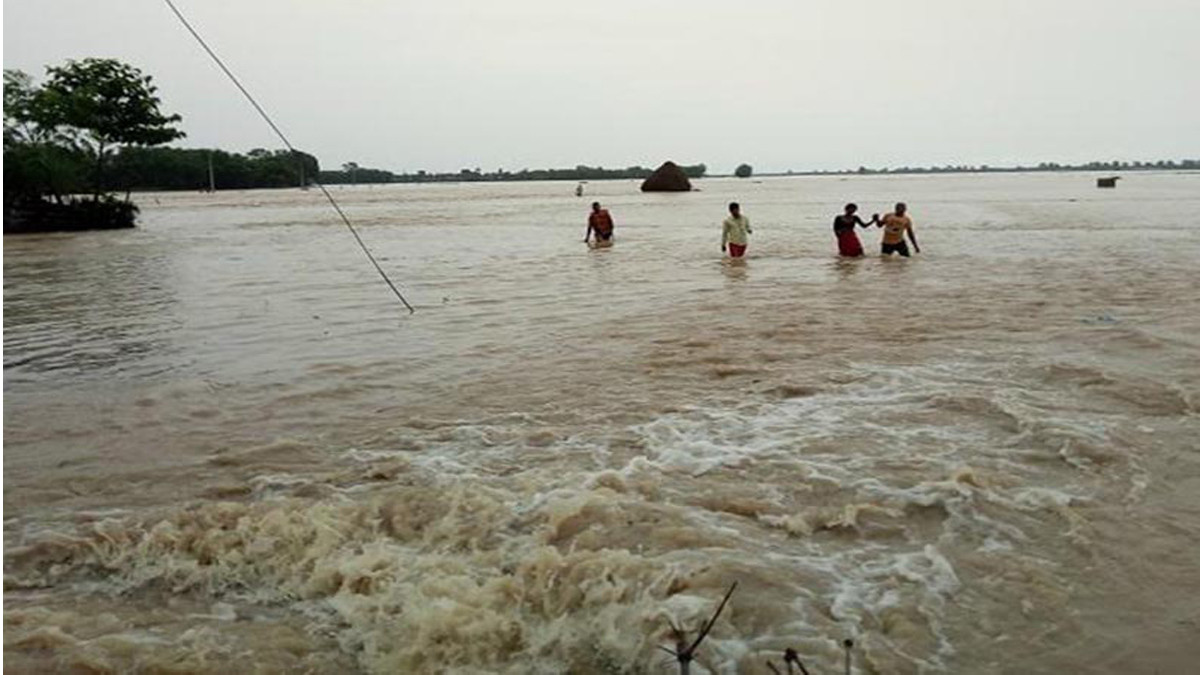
895	226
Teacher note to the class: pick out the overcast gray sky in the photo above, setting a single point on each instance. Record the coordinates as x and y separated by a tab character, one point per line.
536	83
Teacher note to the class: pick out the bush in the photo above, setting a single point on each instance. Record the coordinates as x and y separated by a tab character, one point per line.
71	216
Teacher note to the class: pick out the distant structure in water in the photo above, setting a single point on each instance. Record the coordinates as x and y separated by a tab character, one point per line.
1110	182
667	178
579	190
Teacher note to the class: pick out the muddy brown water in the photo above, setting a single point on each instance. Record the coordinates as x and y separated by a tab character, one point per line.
228	449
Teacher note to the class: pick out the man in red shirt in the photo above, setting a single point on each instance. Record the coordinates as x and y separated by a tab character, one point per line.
600	222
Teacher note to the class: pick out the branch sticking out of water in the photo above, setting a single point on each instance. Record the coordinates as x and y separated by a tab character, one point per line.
684	652
791	658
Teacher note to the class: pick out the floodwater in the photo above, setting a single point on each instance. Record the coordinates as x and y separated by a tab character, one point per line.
229	449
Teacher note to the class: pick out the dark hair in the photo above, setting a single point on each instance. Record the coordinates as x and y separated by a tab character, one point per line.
595	205
851	205
734	205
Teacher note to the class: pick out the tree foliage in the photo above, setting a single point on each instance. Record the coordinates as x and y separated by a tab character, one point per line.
38	159
137	168
35	170
18	103
91	107
743	171
106	102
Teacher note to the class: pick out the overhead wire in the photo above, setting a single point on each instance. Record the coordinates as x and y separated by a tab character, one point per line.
288	144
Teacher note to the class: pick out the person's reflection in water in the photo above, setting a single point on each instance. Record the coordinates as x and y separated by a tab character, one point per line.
734	269
846	267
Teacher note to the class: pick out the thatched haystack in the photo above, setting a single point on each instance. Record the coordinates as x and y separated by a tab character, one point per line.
667	178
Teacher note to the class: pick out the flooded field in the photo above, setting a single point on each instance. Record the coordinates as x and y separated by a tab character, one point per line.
227	448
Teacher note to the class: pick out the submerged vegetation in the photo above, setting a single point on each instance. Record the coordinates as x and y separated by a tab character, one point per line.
59	138
92	130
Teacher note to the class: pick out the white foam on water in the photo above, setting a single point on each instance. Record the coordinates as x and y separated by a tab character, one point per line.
527	539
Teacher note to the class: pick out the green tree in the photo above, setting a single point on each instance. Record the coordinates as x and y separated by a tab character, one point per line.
743	171
38	160
18	107
103	104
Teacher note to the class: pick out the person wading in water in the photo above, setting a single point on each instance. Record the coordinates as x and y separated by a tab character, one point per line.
895	225
600	222
843	227
734	231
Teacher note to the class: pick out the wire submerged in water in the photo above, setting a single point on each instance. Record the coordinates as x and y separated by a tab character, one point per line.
288	144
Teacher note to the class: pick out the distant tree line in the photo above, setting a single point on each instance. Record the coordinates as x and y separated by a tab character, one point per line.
146	169
188	169
352	173
1186	164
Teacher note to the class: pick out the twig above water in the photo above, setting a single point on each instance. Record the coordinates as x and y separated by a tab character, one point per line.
790	657
685	653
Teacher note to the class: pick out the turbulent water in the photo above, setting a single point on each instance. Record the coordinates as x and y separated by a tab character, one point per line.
229	449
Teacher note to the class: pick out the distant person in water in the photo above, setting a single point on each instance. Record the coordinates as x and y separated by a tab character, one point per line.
734	232
843	227
600	223
579	190
895	225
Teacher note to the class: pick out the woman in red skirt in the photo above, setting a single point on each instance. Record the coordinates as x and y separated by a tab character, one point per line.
843	226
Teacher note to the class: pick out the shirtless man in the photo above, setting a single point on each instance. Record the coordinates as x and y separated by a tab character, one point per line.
600	222
895	225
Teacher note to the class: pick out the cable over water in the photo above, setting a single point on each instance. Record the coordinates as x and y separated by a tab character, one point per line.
274	127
